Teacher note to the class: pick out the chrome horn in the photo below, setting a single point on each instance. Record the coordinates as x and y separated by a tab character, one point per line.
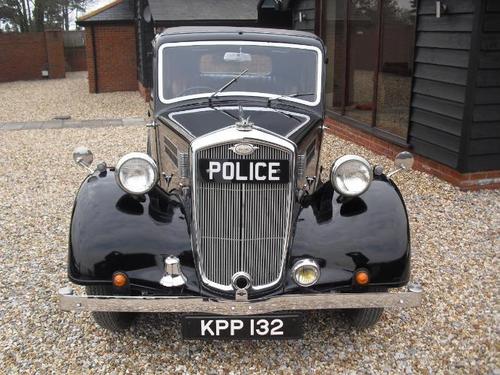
173	274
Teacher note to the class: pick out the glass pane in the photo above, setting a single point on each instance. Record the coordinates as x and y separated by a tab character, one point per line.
394	81
334	38
199	70
363	37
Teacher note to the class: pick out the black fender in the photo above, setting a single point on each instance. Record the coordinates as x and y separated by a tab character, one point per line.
345	234
113	231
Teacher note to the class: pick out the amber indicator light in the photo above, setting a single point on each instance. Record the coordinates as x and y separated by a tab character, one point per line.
361	277
120	279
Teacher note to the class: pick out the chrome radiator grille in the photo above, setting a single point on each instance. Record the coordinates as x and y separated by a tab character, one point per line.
242	227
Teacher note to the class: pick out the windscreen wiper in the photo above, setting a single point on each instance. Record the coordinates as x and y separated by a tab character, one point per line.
296	95
226	113
289	115
233	80
284	96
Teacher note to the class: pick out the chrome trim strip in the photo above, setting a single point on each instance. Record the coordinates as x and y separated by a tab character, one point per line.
230	135
240	93
301	166
320	301
183	159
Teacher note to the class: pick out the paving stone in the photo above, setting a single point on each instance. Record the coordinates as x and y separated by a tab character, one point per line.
54	124
72	123
33	125
93	124
11	125
133	121
116	122
62	124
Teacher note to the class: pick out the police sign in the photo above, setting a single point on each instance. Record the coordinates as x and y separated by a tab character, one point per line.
244	171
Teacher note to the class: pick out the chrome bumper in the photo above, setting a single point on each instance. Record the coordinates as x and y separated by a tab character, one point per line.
320	301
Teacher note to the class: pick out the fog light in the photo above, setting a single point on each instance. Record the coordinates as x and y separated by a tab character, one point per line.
361	277
305	272
120	279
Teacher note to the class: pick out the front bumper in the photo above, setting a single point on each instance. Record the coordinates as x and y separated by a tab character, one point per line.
179	304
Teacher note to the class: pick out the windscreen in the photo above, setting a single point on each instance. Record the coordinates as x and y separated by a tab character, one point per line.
191	71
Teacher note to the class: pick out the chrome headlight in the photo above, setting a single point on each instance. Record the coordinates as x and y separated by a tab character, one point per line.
136	173
351	175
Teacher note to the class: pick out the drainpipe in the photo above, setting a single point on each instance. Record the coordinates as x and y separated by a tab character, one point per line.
92	28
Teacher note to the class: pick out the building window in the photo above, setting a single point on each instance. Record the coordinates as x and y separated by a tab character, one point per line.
395	68
335	38
371	55
362	39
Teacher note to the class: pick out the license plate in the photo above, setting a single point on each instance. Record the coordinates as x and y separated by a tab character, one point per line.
242	327
244	171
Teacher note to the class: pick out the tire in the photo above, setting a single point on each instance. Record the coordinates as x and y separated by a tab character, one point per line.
366	318
112	321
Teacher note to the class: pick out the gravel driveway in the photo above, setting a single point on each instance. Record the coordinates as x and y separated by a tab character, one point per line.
43	100
455	244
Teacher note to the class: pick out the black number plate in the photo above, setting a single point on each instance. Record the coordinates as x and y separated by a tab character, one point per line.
244	171
242	327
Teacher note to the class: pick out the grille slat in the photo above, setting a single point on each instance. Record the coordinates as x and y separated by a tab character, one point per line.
242	227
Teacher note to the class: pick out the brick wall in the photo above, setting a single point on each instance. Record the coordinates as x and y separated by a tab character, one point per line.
115	60
465	181
23	56
89	52
76	59
144	91
55	54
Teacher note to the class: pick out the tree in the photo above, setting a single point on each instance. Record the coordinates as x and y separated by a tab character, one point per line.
53	14
15	13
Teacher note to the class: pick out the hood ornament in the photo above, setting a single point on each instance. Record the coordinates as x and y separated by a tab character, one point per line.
244	124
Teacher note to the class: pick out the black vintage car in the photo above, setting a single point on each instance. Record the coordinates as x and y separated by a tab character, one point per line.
226	217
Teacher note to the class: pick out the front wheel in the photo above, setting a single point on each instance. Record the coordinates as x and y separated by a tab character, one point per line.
112	321
364	318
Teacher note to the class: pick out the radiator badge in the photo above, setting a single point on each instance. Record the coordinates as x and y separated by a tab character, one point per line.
244	124
243	149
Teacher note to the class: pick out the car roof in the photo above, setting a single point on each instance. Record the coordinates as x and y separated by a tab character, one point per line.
197	33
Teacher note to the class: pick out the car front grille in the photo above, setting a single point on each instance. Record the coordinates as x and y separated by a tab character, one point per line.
242	227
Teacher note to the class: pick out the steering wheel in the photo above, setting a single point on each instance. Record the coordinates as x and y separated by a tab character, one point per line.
199	88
